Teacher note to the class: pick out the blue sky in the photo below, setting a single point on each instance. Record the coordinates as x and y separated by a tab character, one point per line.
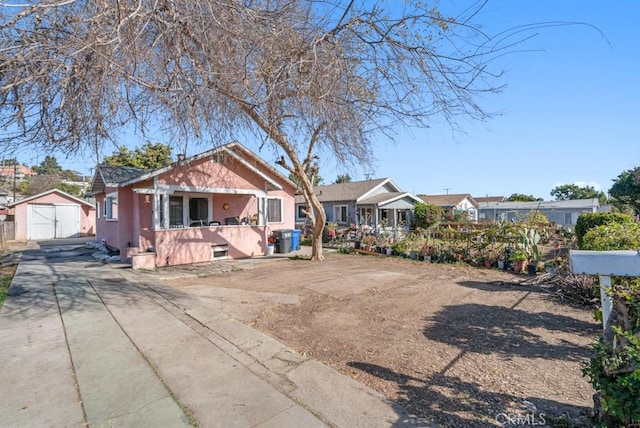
570	112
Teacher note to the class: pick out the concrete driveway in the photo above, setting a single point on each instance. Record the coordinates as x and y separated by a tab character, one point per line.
84	343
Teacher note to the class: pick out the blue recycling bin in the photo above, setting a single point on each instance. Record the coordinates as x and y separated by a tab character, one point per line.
295	239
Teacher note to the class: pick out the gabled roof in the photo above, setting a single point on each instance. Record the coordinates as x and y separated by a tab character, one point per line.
449	200
482	199
125	176
58	191
574	204
387	198
351	191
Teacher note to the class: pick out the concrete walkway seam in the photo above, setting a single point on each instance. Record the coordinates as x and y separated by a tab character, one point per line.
73	367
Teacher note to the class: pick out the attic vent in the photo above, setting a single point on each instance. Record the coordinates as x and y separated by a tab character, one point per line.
218	157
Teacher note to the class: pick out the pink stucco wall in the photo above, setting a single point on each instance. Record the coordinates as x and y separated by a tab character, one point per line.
134	218
193	245
87	214
133	228
106	230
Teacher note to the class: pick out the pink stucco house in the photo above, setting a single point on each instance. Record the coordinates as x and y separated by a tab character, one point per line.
52	214
222	203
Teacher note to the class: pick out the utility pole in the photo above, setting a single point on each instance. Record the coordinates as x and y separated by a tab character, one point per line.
14	179
446	189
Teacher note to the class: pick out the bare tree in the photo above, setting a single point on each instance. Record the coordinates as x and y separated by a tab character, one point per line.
310	78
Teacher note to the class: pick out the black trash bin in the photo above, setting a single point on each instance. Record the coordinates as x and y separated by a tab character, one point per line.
283	240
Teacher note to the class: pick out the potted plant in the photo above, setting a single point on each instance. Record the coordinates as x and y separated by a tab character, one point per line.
519	260
368	242
530	239
400	247
425	252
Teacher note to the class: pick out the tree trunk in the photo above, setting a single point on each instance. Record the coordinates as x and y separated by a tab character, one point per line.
318	228
315	213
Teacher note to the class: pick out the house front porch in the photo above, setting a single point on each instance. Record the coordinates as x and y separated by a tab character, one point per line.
189	226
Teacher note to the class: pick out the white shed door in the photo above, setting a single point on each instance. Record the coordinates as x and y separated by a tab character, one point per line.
67	221
41	221
53	221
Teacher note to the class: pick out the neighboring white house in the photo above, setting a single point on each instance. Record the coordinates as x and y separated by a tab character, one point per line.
564	213
454	203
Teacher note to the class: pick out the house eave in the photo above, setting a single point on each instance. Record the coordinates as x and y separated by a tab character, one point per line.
227	150
366	194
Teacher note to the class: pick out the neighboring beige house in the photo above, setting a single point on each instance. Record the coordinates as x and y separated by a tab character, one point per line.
52	214
454	203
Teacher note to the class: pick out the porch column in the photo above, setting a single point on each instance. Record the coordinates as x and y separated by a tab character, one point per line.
156	211
136	220
376	218
262	217
165	210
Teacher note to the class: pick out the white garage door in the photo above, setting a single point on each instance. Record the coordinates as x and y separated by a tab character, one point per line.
67	221
41	221
53	221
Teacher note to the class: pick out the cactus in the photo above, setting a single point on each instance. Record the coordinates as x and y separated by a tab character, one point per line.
530	238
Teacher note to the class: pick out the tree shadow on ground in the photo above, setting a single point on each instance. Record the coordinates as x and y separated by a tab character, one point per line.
502	332
486	329
583	296
453	402
43	287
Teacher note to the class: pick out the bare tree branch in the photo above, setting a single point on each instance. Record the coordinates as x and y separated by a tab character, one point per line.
308	77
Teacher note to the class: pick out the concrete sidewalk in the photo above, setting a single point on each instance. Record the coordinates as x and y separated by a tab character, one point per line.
83	343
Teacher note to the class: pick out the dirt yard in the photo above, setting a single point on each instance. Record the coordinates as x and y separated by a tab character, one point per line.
450	343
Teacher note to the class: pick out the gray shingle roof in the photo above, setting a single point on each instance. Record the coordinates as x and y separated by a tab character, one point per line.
346	191
380	197
119	174
572	204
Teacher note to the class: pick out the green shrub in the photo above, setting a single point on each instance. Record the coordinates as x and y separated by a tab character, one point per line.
615	371
613	236
588	221
535	218
426	215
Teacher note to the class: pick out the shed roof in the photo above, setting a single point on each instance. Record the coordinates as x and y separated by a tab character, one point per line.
58	191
